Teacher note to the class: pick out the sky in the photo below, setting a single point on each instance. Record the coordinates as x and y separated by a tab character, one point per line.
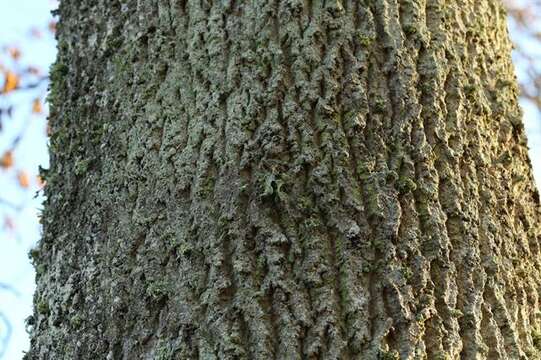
18	17
532	116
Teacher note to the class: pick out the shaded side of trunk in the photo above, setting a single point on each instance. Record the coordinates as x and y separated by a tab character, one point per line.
286	179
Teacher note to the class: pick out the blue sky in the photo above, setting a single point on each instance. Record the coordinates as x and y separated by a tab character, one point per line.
17	18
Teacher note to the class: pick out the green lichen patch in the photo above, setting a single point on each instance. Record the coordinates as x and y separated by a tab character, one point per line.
442	356
388	355
76	321
456	313
42	307
158	289
406	185
58	70
379	105
536	339
33	254
407	273
273	188
164	351
365	40
410	29
82	166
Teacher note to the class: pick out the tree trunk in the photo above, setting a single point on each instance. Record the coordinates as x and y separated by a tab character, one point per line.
287	179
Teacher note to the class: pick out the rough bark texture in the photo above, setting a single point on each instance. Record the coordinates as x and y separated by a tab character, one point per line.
287	179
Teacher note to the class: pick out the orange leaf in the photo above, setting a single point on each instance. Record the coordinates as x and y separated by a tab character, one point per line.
52	26
6	161
11	82
40	181
24	180
36	106
15	53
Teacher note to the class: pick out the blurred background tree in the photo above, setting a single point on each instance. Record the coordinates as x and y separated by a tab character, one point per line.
525	26
525	29
27	49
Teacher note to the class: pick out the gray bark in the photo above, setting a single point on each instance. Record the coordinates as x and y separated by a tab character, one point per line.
296	179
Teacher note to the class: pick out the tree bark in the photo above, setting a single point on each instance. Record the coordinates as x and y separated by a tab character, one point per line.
286	179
